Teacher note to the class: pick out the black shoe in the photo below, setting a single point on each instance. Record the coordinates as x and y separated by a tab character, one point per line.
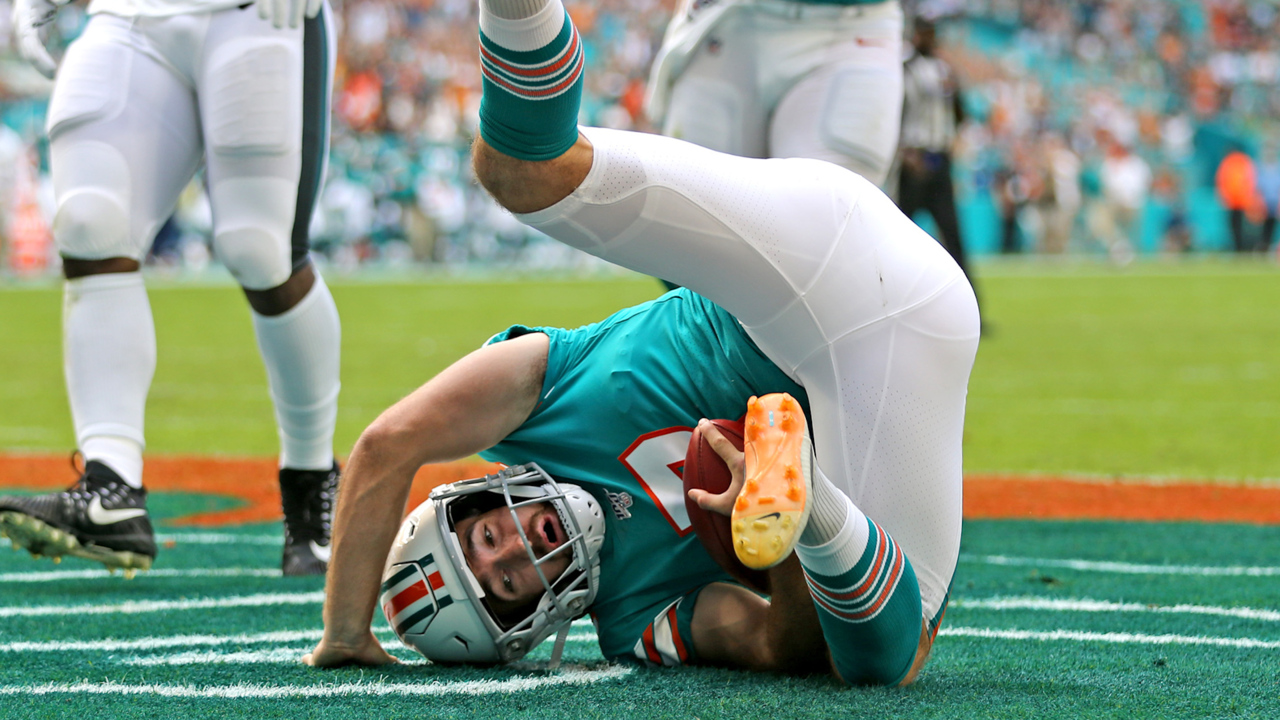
99	518
308	497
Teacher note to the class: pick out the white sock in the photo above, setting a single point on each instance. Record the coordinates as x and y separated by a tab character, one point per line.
828	508
842	550
301	349
109	357
836	535
120	454
521	25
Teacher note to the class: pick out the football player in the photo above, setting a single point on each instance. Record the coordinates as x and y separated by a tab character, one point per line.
811	288
784	78
151	90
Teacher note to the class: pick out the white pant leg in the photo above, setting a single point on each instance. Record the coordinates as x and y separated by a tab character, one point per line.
847	108
124	141
790	79
835	285
264	108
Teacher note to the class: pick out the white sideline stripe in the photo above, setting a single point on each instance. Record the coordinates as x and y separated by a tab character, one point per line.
470	687
148	606
1123	567
282	656
221	539
51	575
1087	605
1109	637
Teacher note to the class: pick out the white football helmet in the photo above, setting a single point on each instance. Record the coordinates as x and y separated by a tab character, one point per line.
436	605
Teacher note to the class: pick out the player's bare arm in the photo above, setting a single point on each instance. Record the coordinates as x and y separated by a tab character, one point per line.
468	407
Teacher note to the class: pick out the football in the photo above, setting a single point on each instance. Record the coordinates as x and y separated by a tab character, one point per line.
704	469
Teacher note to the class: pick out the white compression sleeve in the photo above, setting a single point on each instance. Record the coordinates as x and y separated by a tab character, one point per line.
109	358
301	349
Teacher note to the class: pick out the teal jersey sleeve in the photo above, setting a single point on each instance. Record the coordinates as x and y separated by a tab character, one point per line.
617	409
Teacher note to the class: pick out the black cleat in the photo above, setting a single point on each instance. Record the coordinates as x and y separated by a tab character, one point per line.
308	497
99	518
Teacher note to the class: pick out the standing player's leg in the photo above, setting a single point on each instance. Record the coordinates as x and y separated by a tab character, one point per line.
124	141
265	106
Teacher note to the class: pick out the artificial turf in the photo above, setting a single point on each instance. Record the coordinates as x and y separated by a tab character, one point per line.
1165	370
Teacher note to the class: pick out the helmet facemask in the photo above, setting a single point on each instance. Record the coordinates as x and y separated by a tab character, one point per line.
564	598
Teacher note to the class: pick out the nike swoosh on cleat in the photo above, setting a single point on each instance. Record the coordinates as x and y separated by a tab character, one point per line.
771	515
99	515
320	551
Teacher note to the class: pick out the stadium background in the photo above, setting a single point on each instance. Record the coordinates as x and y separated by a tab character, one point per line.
1181	83
1122	511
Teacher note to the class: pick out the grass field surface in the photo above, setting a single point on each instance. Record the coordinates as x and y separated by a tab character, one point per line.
1154	371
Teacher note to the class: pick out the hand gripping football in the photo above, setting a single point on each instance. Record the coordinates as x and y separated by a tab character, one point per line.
704	469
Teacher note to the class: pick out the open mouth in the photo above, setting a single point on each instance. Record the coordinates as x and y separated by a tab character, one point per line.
549	529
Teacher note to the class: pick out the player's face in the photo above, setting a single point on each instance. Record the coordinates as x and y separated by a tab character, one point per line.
497	556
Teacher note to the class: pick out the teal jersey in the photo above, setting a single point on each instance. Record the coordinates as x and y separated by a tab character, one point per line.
618	407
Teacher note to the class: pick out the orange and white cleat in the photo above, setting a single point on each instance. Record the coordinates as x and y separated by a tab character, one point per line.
773	505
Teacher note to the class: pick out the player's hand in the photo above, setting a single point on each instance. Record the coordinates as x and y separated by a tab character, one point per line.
288	12
368	651
29	18
733	457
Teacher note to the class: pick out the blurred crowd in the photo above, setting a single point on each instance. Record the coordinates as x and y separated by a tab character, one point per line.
1095	126
1101	125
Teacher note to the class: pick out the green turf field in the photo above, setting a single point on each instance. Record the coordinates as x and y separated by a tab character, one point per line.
1154	370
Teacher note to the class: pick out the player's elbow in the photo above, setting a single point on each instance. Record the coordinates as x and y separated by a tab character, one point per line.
385	443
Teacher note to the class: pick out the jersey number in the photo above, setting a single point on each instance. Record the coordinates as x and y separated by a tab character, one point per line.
656	460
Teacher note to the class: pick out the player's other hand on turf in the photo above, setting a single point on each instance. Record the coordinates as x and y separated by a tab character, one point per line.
289	13
30	18
330	654
733	457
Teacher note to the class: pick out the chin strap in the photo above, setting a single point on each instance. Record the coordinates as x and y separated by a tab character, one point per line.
559	647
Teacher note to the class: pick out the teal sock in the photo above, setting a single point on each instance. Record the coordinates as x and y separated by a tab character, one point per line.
870	608
532	83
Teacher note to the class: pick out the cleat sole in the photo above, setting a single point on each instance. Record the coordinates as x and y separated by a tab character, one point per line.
772	507
44	540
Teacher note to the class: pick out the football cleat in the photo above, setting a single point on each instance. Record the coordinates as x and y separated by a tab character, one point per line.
100	518
772	508
308	497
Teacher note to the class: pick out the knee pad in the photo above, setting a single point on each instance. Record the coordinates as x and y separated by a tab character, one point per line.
253	223
92	220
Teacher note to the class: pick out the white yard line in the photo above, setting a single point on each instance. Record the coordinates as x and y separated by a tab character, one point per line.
1110	637
1087	605
470	687
1123	567
51	575
170	641
150	606
283	656
220	539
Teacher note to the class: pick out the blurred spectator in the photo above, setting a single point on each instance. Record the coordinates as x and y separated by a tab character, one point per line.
1176	233
1269	194
1237	184
1125	180
1062	196
931	113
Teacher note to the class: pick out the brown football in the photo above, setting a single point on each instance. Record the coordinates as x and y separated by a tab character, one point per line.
704	469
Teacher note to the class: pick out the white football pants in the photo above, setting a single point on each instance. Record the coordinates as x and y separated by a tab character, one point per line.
780	79
835	285
139	103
